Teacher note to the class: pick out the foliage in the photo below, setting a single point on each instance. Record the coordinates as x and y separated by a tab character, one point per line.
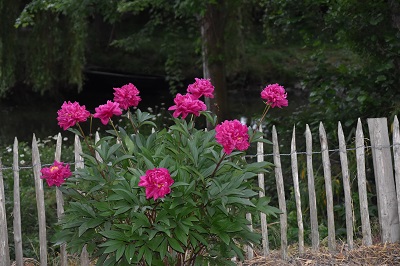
354	68
202	220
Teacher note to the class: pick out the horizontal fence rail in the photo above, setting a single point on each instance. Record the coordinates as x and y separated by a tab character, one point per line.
386	162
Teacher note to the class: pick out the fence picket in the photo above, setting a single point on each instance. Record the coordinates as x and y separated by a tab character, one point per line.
295	175
78	165
17	208
60	202
39	202
346	186
261	184
4	249
249	248
326	163
311	192
281	193
96	139
384	180
396	159
362	185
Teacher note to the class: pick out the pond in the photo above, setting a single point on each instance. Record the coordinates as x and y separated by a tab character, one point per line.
23	118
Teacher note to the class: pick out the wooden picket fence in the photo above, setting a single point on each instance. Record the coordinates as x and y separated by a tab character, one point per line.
386	171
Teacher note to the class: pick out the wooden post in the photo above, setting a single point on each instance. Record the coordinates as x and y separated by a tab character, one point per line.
311	192
17	208
281	193
79	164
383	169
326	163
396	157
60	203
40	202
296	186
250	251
346	186
4	249
362	185
261	193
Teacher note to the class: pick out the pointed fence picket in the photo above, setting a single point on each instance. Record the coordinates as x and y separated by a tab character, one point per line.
281	193
4	248
39	201
17	208
60	203
296	188
384	168
311	192
261	184
346	186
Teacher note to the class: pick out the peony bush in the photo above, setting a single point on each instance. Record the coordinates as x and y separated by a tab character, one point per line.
173	196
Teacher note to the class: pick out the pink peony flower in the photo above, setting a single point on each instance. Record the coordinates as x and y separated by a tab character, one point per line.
127	96
201	87
275	95
56	174
157	182
70	114
106	111
232	135
187	104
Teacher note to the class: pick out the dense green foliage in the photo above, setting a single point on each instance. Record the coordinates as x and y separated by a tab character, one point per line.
201	221
354	67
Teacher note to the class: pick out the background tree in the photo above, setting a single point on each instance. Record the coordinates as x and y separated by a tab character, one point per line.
353	67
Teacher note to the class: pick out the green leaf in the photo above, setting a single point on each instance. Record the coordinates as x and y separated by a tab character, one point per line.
88	225
115	247
181	235
163	248
122	210
200	238
130	252
122	158
112	150
154	243
175	245
120	252
148	255
240	201
83	208
110	234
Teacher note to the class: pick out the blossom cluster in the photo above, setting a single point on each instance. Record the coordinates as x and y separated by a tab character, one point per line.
275	95
71	114
189	103
157	183
230	134
56	174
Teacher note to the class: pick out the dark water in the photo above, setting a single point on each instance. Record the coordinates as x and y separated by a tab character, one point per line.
38	116
22	117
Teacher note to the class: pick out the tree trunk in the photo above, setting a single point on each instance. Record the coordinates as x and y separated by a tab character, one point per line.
213	27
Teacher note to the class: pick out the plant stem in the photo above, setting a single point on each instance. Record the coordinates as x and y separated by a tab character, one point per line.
91	149
135	129
120	140
216	167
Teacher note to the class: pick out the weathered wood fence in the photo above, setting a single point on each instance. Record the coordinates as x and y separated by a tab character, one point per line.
387	179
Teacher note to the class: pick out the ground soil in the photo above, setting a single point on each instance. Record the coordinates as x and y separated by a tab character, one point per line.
377	254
